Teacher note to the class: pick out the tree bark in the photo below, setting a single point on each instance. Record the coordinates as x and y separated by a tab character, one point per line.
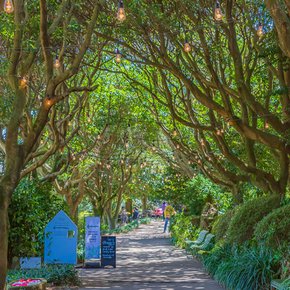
6	190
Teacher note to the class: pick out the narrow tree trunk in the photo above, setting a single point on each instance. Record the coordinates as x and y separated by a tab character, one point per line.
5	194
144	203
238	196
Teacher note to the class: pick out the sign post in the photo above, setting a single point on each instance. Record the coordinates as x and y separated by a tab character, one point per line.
60	240
108	251
92	241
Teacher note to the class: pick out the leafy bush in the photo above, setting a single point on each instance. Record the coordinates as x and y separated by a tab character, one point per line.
247	215
33	206
221	224
182	229
56	274
274	229
219	253
244	268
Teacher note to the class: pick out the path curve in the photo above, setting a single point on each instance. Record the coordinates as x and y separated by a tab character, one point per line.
147	260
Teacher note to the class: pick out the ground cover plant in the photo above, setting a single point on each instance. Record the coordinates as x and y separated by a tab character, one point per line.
54	274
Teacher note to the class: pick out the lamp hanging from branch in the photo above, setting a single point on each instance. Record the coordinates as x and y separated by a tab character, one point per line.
260	31
186	46
218	15
8	6
121	15
118	56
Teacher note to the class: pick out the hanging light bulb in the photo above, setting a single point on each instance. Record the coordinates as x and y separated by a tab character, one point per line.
8	6
118	56
218	16
186	46
174	133
260	30
48	102
267	125
23	83
121	15
56	63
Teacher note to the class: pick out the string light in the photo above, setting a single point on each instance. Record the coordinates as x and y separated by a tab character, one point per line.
8	6
48	102
267	125
56	63
23	83
118	56
186	46
260	30
174	133
121	15
218	16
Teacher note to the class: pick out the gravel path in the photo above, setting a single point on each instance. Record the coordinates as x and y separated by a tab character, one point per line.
147	260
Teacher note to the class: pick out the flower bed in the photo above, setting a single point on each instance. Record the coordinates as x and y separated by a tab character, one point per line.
32	283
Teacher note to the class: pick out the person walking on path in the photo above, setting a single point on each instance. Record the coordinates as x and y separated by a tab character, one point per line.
135	213
163	209
124	216
168	213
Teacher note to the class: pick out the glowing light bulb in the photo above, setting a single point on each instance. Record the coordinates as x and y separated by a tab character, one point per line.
202	143
57	63
23	83
186	47
218	15
8	6
121	15
267	125
48	102
260	30
174	133
118	56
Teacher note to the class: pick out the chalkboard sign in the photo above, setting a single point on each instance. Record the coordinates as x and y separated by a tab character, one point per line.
108	251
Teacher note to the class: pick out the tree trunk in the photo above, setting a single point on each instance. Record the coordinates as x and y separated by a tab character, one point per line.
5	196
144	203
238	196
112	222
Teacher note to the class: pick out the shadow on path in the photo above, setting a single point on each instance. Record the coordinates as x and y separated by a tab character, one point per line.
147	260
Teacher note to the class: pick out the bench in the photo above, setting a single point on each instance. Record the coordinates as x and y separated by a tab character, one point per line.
205	246
198	241
280	284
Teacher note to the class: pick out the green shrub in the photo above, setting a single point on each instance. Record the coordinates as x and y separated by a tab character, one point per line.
56	274
274	229
33	205
247	215
243	268
218	254
221	224
182	229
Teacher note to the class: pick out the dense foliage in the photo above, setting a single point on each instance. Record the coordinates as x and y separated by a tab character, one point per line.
33	205
274	229
246	217
182	229
222	223
244	267
55	274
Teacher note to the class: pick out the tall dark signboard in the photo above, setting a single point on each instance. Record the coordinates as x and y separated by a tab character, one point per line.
108	251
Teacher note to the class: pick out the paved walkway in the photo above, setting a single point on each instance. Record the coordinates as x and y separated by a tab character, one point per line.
147	260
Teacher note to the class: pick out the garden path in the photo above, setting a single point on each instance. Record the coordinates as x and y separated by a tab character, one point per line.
147	260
